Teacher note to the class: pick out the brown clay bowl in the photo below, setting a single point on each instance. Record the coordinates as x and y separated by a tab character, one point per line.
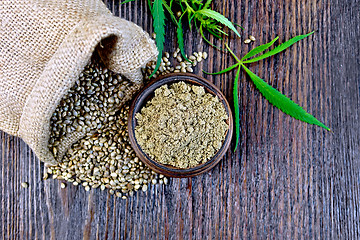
146	94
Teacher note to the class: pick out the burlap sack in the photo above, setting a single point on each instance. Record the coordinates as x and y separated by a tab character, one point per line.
44	46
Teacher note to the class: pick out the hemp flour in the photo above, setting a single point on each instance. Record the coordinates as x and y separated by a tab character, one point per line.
182	125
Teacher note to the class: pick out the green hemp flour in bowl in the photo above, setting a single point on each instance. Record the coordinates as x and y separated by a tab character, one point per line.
182	125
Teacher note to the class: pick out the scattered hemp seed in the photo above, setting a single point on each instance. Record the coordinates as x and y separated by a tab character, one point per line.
46	176
24	184
205	55
167	67
166	181
247	41
252	38
181	126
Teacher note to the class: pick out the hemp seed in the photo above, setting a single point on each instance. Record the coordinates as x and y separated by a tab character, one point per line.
247	41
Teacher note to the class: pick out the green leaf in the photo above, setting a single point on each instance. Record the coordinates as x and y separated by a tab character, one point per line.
237	25
194	3
168	8
126	1
159	29
190	18
181	6
218	28
236	108
207	4
180	38
150	7
282	102
214	34
218	17
207	40
279	48
225	70
259	49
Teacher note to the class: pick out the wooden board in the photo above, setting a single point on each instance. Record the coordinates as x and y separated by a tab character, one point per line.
288	180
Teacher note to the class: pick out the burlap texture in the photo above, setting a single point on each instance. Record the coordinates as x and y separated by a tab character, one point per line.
44	46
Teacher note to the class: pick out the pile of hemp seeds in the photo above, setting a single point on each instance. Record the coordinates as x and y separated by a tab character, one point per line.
104	158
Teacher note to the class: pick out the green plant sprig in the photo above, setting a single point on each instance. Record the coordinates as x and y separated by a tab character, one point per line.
276	98
197	12
159	29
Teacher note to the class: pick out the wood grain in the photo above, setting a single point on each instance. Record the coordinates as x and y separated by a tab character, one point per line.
288	180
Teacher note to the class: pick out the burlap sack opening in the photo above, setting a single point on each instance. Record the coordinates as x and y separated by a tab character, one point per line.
44	46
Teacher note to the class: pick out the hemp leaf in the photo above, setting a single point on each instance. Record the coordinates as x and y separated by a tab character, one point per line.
159	29
281	101
236	110
279	48
180	38
207	4
259	49
218	17
276	98
126	1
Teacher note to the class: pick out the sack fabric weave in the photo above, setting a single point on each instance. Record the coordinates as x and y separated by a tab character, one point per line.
45	45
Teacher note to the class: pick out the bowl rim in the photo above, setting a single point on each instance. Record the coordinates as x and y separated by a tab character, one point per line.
143	96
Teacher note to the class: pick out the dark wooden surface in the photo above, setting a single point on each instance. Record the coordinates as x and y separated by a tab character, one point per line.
288	180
